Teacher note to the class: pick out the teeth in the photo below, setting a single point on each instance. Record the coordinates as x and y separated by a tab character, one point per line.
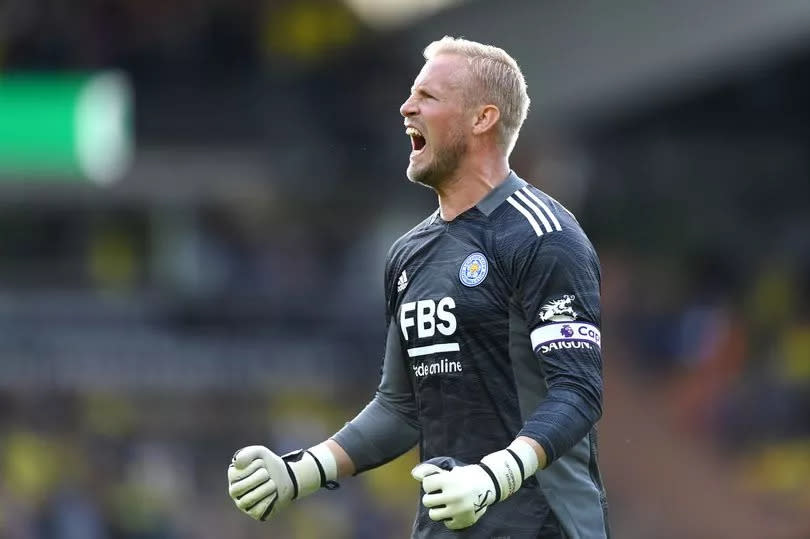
413	132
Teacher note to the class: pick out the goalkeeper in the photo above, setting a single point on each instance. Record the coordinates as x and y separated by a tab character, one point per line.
493	354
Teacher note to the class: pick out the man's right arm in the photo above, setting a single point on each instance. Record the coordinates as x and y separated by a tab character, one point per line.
388	426
261	483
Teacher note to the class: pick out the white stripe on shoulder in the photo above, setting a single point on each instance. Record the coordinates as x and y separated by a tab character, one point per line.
526	214
545	207
535	209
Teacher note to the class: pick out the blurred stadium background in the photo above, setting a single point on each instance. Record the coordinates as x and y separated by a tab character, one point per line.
196	198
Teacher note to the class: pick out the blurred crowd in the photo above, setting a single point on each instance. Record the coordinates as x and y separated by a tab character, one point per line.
143	341
95	465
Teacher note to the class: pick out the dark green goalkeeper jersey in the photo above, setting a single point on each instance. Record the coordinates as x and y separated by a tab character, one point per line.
494	332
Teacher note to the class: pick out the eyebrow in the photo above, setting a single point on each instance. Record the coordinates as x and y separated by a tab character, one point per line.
423	90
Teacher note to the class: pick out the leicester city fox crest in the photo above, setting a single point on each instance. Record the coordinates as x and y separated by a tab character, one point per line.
558	308
473	270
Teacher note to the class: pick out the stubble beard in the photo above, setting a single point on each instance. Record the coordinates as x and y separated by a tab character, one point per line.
441	168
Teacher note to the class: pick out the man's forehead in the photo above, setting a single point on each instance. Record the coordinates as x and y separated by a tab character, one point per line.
444	70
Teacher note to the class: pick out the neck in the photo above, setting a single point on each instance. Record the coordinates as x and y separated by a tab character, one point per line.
468	186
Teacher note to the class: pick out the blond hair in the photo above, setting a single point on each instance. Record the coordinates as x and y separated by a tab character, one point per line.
500	82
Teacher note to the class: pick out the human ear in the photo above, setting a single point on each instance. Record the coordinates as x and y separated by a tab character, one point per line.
485	119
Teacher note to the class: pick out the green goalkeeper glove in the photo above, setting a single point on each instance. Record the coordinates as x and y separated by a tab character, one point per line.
262	483
458	494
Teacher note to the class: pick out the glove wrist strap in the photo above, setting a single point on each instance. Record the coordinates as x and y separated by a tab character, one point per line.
327	464
311	469
510	467
526	456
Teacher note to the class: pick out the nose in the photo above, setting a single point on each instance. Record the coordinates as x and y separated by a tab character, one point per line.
408	108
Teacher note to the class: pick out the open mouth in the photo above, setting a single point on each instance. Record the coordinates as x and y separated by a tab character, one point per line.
418	141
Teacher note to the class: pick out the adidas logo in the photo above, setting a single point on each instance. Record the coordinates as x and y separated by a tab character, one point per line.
402	282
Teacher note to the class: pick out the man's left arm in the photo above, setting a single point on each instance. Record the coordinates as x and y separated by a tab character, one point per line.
561	302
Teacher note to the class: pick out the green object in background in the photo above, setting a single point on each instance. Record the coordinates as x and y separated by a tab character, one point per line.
65	126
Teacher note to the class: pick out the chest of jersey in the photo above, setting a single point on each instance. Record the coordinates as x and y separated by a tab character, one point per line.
452	312
451	296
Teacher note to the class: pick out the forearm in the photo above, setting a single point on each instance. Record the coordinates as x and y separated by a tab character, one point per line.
379	434
563	418
345	464
388	426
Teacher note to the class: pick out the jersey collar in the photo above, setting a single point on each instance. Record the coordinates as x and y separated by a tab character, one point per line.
498	196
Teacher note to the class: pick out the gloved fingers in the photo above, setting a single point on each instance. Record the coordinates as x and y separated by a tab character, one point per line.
423	470
235	474
435	500
281	475
239	488
261	511
456	524
248	454
434	483
251	498
438	514
461	521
